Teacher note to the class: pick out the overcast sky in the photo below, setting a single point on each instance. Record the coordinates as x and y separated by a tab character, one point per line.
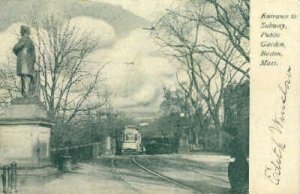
137	71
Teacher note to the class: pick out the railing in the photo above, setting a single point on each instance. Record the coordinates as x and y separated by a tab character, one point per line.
9	178
78	153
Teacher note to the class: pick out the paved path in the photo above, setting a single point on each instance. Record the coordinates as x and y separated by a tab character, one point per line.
87	179
119	175
101	177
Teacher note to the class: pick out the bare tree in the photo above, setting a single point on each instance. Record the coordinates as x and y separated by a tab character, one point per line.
67	88
62	52
211	42
225	21
9	84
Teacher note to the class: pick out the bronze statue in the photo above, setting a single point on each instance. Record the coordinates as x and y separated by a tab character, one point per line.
25	53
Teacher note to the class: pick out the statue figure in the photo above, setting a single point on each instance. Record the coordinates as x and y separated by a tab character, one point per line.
25	52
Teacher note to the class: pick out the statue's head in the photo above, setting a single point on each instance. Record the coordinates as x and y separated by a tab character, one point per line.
25	30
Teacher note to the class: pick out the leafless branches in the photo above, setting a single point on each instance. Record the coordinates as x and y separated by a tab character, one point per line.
66	86
62	51
9	84
210	39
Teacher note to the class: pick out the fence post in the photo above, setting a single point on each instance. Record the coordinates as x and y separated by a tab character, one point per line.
5	177
9	178
66	164
13	176
95	150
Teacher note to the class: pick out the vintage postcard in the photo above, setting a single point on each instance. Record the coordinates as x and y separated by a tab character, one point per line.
149	96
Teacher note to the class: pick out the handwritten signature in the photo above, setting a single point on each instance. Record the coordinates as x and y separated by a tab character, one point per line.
273	169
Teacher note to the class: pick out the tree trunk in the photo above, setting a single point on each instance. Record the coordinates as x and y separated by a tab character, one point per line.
220	140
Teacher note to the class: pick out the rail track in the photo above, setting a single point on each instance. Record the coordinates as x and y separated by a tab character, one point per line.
119	175
205	173
150	172
165	178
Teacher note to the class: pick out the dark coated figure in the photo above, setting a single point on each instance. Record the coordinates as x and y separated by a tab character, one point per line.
238	171
25	52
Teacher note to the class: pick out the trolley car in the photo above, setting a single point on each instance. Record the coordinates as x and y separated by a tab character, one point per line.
131	141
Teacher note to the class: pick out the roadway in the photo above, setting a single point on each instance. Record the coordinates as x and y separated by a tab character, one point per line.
167	174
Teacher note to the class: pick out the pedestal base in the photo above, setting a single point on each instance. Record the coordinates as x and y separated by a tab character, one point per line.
27	145
25	138
35	176
31	176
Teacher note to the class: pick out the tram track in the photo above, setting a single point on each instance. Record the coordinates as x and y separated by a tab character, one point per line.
145	172
165	178
118	174
206	173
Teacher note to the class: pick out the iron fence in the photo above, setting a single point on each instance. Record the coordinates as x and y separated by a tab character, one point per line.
77	153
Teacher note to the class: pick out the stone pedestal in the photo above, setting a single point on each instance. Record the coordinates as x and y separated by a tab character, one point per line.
26	144
25	138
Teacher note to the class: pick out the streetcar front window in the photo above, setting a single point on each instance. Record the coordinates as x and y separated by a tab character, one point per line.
129	137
